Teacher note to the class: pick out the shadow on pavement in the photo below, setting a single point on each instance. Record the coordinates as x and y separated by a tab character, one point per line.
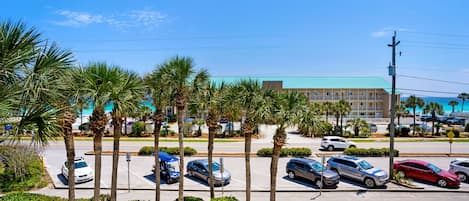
151	177
307	183
62	179
360	184
418	181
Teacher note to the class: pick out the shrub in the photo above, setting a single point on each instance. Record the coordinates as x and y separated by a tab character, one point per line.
226	198
370	152
295	152
404	131
22	169
28	197
466	128
164	133
138	128
84	126
190	198
148	150
455	132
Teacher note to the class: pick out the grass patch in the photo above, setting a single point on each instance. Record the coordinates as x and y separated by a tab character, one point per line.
34	196
110	139
414	140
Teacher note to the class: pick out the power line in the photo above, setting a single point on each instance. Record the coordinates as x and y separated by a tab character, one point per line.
429	91
438	44
432	79
436	34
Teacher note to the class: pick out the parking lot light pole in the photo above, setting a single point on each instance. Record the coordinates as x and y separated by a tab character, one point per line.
392	72
127	155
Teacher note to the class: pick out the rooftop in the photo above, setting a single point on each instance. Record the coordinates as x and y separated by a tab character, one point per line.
302	82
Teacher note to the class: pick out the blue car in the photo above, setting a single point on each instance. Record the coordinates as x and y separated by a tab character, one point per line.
168	168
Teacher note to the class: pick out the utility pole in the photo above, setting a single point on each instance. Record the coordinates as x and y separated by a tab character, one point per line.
392	72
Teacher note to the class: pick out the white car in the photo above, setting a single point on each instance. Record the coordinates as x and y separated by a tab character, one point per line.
83	172
460	167
335	142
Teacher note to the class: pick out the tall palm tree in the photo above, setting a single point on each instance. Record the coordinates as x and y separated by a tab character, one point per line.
327	106
177	73
309	122
463	97
284	110
125	95
98	80
344	109
414	102
453	103
249	97
434	109
401	110
157	89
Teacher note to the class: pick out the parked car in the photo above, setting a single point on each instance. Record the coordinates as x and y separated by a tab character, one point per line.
442	119
358	169
422	170
460	167
424	126
425	118
199	169
311	170
334	142
224	120
83	172
455	121
168	168
373	128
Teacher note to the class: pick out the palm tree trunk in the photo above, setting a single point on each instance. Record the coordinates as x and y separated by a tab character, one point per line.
462	106
125	126
279	141
433	124
211	135
413	133
247	156
327	116
180	117
341	124
452	110
156	133
115	157
81	118
70	148
97	146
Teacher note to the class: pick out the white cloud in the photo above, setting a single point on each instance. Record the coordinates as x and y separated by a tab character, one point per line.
386	32
138	18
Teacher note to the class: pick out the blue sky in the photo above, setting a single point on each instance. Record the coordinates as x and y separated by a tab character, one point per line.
265	38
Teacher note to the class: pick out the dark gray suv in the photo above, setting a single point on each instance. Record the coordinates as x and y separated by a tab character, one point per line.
310	169
357	169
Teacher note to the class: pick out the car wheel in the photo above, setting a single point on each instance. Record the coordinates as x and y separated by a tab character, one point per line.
462	177
401	173
352	146
318	183
291	175
370	183
330	148
442	183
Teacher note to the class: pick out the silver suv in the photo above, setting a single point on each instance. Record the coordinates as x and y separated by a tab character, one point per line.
312	170
460	167
357	169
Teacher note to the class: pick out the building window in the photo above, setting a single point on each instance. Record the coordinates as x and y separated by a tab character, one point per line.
316	93
350	94
361	103
327	93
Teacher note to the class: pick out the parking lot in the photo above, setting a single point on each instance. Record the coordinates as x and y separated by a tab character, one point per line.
141	176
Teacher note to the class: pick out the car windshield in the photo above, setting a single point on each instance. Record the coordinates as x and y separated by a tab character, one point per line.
318	167
80	164
215	166
365	165
171	166
434	168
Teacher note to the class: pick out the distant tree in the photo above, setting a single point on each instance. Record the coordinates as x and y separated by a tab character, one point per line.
463	97
453	103
434	109
401	110
357	124
414	102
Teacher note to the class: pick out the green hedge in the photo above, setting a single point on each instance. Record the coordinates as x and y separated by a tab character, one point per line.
226	198
34	196
295	152
371	152
190	198
148	150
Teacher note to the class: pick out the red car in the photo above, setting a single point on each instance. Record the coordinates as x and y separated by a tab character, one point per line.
422	170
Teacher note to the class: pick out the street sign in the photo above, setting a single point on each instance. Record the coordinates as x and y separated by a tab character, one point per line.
127	156
450	140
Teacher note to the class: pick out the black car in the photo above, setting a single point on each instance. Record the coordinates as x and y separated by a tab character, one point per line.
199	169
455	121
311	170
425	118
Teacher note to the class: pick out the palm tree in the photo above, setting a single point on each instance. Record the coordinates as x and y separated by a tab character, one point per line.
177	73
453	103
463	97
327	106
358	124
434	109
126	95
284	109
401	110
414	102
249	97
344	109
157	89
309	122
98	78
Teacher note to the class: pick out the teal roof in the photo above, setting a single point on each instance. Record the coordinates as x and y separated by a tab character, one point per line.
319	82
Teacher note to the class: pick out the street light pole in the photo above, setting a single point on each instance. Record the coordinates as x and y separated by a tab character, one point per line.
392	72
